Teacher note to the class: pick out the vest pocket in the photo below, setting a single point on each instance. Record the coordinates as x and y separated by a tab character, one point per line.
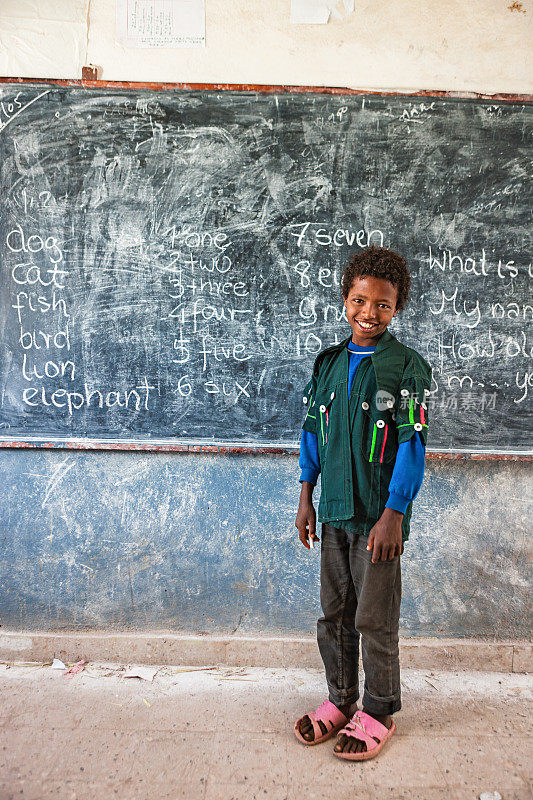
379	439
325	408
333	438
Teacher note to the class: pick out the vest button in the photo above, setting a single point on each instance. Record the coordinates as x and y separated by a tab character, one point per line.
424	405
322	409
365	405
417	426
404	392
305	400
332	395
390	403
380	423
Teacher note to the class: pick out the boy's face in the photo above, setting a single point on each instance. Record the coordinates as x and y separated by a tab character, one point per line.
370	306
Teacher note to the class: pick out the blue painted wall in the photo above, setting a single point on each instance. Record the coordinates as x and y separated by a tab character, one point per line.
200	543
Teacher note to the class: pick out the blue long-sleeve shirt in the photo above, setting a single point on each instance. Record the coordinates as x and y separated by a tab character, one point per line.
408	472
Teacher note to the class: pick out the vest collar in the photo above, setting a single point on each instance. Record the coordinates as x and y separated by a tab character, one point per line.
388	360
385	342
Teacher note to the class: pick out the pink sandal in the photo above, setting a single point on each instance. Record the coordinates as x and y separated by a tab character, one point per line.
364	727
330	716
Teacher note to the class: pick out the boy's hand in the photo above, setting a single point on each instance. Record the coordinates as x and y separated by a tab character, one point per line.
306	516
385	536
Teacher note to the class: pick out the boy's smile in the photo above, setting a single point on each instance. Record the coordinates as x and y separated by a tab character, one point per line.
370	306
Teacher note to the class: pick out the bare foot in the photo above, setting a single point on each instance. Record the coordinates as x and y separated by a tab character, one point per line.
347	744
306	726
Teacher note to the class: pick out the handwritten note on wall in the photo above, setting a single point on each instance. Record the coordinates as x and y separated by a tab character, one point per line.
160	23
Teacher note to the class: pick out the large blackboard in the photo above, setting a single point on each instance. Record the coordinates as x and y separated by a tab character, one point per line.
170	260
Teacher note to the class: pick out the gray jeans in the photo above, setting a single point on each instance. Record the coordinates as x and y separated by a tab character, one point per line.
360	600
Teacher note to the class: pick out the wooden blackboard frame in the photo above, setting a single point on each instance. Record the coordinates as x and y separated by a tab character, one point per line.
170	446
160	445
271	89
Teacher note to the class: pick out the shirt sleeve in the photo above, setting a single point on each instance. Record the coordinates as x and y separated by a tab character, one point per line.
309	461
408	473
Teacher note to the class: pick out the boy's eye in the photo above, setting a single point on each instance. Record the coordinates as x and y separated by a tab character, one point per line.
359	300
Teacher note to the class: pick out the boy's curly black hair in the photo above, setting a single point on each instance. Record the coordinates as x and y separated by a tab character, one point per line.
378	262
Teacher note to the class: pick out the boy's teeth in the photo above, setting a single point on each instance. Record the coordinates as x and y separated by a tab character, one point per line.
366	324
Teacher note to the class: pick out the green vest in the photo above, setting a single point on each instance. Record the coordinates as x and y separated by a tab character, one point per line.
358	437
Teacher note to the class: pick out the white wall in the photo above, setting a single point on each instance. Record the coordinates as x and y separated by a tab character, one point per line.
479	46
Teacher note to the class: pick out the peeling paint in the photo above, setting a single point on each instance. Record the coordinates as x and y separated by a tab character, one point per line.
206	543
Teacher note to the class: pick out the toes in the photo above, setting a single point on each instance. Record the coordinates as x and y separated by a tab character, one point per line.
341	744
347	744
350	746
306	729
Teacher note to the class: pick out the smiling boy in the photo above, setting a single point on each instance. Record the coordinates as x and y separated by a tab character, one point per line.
365	433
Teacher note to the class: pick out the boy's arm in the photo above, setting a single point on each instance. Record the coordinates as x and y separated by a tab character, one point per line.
309	461
385	538
408	474
310	469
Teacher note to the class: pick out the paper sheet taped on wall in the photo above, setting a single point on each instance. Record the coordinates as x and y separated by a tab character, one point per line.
160	23
318	12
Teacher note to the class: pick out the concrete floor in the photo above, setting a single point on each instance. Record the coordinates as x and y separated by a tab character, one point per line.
226	734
